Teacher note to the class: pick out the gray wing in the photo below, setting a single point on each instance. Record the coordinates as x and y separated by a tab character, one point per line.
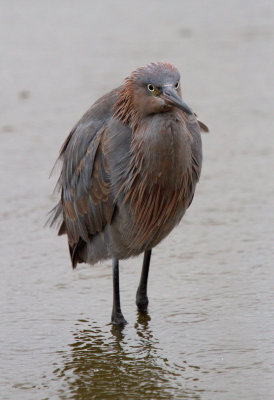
86	204
194	127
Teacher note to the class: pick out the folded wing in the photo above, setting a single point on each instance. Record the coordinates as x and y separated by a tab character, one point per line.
86	204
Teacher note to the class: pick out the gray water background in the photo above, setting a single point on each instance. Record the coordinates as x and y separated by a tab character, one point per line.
209	333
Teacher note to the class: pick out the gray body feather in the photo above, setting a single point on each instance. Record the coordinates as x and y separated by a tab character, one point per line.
113	177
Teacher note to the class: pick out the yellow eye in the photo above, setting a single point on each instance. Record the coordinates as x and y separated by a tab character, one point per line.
177	85
150	87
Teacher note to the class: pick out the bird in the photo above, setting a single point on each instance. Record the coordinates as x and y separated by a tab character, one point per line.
129	169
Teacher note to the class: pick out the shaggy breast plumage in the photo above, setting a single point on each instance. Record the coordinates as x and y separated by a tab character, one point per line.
159	184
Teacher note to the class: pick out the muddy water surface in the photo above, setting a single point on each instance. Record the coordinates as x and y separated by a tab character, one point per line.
209	332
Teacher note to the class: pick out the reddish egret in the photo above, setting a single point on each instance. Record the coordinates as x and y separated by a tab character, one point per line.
129	171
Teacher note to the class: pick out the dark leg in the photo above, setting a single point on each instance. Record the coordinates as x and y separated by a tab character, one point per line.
141	295
117	317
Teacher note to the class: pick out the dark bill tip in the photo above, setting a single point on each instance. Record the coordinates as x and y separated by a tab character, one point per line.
171	97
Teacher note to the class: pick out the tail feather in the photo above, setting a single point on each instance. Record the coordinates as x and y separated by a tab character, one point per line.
62	229
203	126
55	219
75	251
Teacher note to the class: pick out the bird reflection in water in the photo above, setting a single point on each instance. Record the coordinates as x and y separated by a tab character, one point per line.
107	364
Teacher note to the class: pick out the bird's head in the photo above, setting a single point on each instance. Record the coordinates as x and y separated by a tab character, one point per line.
152	89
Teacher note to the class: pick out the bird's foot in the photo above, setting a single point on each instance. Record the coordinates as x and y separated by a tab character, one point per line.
142	303
118	319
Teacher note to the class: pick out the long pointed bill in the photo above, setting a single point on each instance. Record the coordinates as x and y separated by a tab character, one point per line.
171	98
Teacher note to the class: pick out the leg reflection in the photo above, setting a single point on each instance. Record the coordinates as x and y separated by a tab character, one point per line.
101	364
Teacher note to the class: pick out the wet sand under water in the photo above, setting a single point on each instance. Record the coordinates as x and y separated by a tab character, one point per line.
209	332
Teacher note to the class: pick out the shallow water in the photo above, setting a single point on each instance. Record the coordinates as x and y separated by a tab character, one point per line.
209	332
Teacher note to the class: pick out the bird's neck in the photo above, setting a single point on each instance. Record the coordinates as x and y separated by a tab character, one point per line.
124	109
159	183
161	149
161	143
